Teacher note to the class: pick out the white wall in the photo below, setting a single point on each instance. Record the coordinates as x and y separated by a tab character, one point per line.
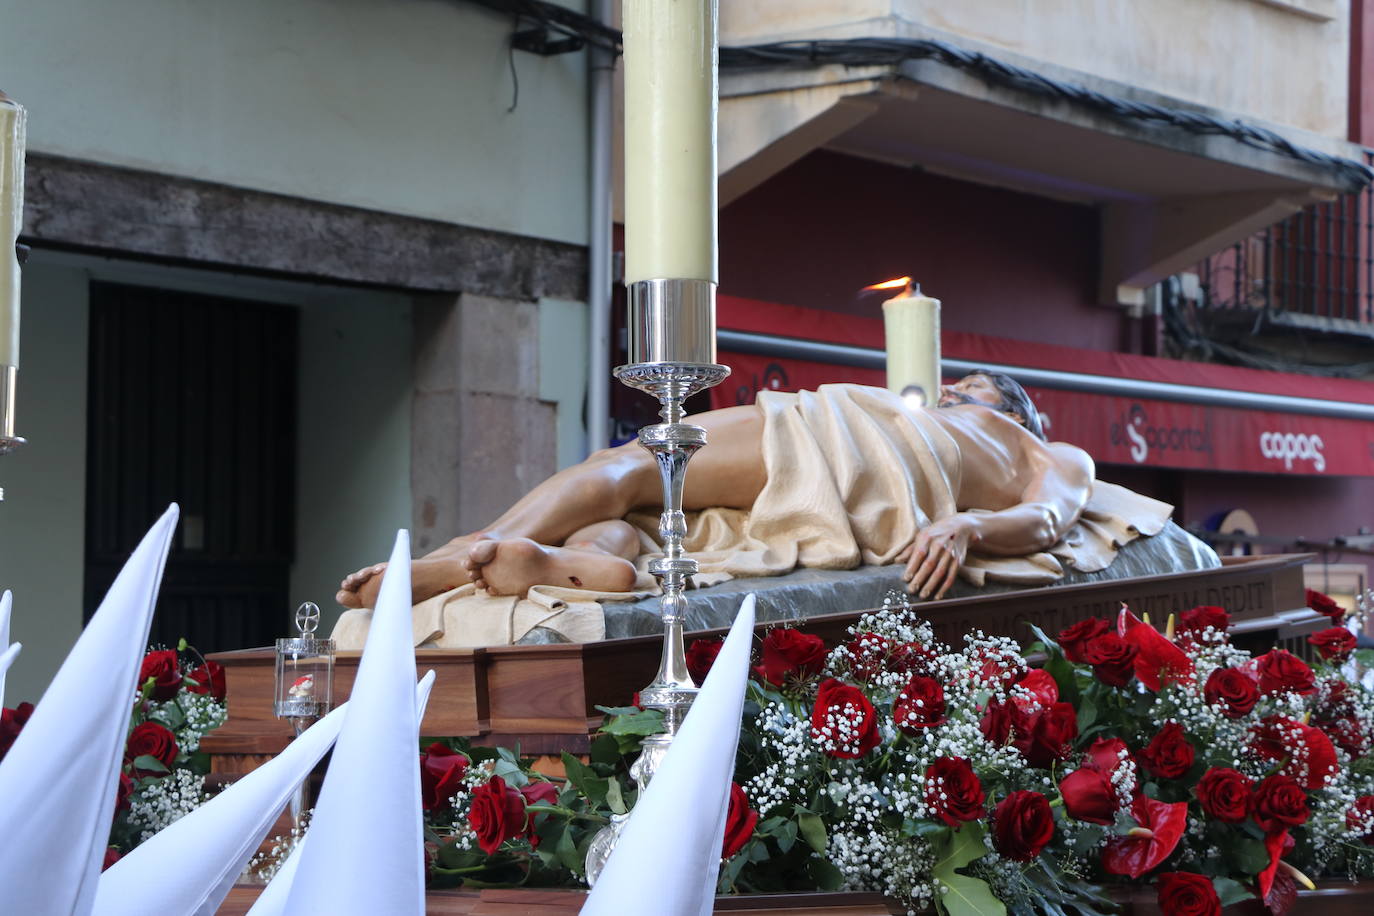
43	516
398	106
352	440
1284	61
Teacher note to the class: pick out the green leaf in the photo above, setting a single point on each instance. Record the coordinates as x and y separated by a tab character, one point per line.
1365	657
812	829
965	896
150	764
969	897
826	875
1231	891
613	797
787	836
566	850
584	780
619	710
510	772
605	749
1246	855
1050	644
1087	713
643	722
1058	667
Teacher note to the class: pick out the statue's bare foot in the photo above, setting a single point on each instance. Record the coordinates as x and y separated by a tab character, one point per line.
432	574
357	588
512	565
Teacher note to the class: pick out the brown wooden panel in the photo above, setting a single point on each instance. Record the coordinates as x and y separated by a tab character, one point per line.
537	689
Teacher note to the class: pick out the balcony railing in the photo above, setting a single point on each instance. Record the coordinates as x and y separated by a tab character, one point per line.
1318	263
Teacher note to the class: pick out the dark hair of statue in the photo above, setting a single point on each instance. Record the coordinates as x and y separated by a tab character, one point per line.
1015	400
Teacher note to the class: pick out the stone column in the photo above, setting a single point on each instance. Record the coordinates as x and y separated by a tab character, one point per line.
480	436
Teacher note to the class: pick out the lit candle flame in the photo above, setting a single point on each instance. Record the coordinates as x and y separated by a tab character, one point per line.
903	283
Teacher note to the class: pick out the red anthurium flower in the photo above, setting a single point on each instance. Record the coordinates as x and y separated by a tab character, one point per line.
1274	846
1157	661
1146	846
1308	753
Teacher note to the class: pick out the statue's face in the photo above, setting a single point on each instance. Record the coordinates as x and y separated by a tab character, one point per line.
971	389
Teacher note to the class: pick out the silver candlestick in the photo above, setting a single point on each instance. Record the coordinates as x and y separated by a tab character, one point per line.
672	357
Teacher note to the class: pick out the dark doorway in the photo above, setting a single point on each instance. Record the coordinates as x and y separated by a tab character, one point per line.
192	400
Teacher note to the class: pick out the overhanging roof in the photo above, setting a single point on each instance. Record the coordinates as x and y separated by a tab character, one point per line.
1175	182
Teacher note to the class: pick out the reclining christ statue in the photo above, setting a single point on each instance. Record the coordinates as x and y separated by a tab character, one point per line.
843	476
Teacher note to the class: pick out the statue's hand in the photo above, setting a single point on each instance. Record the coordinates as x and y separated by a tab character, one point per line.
934	558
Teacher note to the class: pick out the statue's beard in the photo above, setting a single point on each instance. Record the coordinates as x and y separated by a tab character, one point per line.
955	398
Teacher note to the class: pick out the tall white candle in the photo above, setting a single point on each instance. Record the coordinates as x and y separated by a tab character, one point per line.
912	324
11	223
670	139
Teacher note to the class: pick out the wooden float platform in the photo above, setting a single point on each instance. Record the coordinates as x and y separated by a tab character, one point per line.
544	698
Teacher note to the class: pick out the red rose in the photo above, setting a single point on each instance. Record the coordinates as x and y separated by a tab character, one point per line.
149	739
1112	658
701	655
1225	794
739	822
1089	796
868	655
1183	893
1076	637
1046	735
1324	605
1168	755
953	791
11	724
996	723
537	793
909	658
1361	817
162	666
209	678
497	814
1280	803
920	705
441	776
1347	735
1134	855
790	653
1039	689
999	668
1106	754
843	720
112	856
1022	825
1200	618
1335	643
123	789
1334	700
1282	672
1232	690
1307	753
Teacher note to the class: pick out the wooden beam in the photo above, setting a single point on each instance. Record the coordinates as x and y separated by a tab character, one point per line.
89	206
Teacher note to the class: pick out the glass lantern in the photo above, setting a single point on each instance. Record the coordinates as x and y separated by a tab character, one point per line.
305	672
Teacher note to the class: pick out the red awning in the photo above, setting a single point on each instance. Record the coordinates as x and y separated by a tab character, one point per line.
1113	429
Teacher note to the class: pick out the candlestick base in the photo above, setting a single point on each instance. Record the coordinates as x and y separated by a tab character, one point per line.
10	443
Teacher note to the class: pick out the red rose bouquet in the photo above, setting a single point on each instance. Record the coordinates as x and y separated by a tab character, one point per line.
180	699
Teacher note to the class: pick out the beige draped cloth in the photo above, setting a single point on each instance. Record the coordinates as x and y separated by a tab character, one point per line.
853	474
